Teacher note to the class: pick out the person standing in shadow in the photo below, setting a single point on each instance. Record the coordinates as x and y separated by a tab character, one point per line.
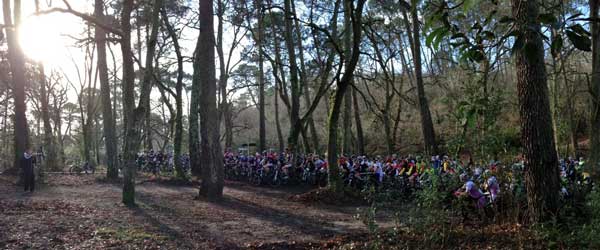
27	164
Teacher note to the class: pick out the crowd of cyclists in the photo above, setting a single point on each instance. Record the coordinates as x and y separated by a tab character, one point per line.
403	175
160	162
482	183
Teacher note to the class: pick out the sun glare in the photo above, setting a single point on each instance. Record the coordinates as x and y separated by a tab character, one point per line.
44	39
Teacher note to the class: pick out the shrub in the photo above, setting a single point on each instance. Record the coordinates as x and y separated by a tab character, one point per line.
577	227
428	217
590	231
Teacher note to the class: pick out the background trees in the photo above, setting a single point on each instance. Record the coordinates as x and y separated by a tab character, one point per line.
405	76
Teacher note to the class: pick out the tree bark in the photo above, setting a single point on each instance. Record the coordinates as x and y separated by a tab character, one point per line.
281	144
426	121
314	139
360	141
554	107
541	172
295	127
133	117
178	138
347	117
87	110
194	129
148	78
316	145
224	107
595	90
16	59
50	150
352	17
131	143
262	132
204	69
229	126
571	110
108	121
347	126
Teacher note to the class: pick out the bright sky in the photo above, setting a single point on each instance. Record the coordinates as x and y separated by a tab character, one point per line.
50	39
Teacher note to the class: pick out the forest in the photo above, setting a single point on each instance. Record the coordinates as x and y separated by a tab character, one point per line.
300	124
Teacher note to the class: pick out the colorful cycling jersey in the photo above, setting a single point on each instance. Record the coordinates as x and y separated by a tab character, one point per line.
319	163
493	187
475	193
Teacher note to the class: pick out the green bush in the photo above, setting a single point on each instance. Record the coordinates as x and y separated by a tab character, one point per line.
428	217
590	231
580	230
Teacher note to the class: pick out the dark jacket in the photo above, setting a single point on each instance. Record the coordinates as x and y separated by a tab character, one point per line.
27	164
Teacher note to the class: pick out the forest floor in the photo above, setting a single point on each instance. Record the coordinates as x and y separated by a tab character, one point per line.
85	212
81	211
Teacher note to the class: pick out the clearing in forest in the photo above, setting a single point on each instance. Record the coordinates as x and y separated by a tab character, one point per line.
73	212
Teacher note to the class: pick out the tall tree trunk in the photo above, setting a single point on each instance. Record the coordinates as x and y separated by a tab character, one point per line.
347	126
311	122
352	18
134	117
17	68
130	145
295	126
97	140
387	126
90	113
229	126
541	173
555	98
204	69
305	140
194	126
224	108
108	121
178	138
262	132
347	117
426	121
595	89
115	93
59	136
50	149
360	141
277	123
314	139
194	129
571	110
148	137
5	125
148	78
387	116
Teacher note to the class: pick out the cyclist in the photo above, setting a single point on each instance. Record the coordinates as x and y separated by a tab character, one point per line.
378	167
472	191
493	187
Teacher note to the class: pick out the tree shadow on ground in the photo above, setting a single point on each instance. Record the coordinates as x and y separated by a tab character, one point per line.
297	222
272	192
160	215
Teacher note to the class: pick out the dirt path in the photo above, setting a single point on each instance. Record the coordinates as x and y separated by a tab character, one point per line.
75	212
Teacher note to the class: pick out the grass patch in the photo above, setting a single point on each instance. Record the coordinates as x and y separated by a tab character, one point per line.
128	234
